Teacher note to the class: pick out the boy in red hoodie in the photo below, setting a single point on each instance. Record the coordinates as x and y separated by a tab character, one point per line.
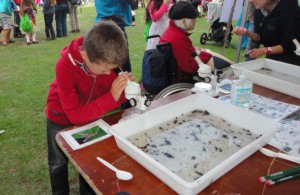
85	88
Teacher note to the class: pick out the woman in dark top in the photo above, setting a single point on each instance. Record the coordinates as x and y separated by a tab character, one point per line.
276	24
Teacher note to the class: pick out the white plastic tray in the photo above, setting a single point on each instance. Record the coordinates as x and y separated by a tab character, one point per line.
238	116
279	76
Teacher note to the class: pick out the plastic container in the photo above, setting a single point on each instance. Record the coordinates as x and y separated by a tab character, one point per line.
279	76
241	91
236	115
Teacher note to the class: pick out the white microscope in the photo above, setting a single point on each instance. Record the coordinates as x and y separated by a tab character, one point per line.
135	97
297	51
209	86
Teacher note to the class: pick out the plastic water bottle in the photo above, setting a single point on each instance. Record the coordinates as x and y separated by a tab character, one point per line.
241	91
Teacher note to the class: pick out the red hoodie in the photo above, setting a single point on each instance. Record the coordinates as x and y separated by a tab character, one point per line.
75	96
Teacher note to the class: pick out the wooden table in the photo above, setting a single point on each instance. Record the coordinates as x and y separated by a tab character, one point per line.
241	180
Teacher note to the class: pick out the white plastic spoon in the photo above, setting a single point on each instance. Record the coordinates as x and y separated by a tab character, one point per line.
122	175
270	153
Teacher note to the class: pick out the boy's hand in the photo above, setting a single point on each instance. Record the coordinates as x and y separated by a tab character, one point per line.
130	76
119	84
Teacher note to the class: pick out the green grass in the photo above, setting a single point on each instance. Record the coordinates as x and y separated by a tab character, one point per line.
25	75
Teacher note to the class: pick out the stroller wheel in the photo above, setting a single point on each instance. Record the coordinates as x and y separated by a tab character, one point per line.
203	38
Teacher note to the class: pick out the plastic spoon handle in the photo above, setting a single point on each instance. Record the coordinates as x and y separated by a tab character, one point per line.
108	164
288	157
270	153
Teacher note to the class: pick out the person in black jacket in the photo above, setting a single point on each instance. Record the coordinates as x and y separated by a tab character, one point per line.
275	26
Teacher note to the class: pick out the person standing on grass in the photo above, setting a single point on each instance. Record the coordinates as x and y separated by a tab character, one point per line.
17	32
73	15
61	12
29	7
6	22
49	10
86	86
157	10
118	11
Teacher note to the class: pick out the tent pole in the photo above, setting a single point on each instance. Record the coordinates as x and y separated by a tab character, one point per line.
240	39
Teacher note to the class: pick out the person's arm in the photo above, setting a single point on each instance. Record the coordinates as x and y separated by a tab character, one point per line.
240	31
157	14
119	85
76	110
182	51
255	53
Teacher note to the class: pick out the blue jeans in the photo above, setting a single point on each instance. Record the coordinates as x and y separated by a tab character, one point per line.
17	22
58	165
61	11
49	30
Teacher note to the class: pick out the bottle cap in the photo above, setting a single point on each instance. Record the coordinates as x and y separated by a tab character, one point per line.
242	77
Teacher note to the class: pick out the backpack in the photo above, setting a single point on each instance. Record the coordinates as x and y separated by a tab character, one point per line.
75	2
159	68
153	63
26	24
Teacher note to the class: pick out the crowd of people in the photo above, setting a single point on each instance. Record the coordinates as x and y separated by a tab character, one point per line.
25	13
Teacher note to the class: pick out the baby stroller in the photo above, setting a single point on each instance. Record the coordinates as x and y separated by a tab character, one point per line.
217	32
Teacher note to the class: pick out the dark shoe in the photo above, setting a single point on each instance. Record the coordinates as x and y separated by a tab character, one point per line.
72	31
35	42
52	38
4	43
19	36
28	43
58	35
11	41
48	38
77	30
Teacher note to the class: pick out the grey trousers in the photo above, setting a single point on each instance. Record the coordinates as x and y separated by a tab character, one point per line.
73	15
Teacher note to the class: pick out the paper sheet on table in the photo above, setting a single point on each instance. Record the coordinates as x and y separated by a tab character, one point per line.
268	107
287	138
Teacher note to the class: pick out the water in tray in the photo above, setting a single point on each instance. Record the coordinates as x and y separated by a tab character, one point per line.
193	144
279	75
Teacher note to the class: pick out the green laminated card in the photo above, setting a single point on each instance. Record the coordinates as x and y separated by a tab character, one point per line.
86	135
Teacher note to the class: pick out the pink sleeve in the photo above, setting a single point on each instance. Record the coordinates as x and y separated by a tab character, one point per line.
157	14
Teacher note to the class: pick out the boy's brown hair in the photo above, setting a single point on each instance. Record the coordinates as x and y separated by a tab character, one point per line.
106	42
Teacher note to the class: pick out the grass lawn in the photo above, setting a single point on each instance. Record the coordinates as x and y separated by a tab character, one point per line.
25	75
